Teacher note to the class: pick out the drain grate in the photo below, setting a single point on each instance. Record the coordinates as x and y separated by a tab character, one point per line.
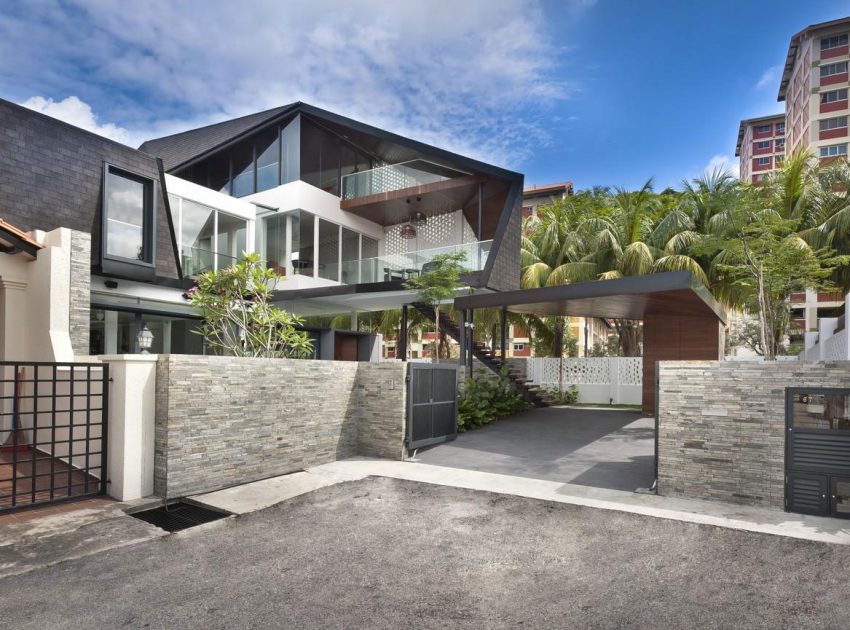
177	516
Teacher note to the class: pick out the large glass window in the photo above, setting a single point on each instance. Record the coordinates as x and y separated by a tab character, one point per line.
328	250
275	242
128	212
303	254
268	159
350	273
319	157
231	239
243	169
219	173
197	230
114	332
290	137
369	257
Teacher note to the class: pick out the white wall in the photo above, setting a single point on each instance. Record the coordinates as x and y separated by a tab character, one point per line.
35	296
600	380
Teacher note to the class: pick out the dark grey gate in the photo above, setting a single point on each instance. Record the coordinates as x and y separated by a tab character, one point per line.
431	404
52	432
817	451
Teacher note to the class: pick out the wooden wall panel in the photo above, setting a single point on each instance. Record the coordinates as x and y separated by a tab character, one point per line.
677	338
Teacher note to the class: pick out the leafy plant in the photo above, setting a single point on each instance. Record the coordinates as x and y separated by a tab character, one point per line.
567	396
437	282
238	318
485	398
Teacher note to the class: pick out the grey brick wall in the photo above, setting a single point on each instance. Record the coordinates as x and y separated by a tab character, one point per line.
722	426
80	291
52	177
222	421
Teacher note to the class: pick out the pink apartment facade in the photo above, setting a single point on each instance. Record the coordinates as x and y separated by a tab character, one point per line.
760	146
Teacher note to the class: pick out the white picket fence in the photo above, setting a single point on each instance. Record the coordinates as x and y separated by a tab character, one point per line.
601	380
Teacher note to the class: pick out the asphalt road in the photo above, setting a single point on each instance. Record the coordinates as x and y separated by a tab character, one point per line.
383	553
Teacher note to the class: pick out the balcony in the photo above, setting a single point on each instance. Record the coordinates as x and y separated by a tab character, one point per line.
386	179
400	267
196	261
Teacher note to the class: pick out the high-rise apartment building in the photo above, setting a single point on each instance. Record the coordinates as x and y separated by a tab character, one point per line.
760	146
814	88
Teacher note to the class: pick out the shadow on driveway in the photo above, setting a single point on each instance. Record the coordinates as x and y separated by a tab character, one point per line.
611	449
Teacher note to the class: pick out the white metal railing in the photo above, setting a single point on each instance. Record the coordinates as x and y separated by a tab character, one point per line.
395	177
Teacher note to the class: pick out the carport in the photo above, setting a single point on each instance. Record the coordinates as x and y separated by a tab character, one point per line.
603	448
681	320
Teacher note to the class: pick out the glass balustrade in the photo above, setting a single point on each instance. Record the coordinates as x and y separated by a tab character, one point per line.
410	264
196	261
395	177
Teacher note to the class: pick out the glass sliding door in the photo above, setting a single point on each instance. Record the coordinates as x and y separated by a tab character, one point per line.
231	237
369	260
350	273
197	228
328	250
303	254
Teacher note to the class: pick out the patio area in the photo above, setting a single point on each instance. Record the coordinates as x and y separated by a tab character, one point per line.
601	448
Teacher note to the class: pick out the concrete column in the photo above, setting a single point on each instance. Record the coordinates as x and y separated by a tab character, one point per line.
132	403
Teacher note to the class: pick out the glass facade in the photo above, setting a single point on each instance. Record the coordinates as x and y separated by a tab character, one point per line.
128	210
297	149
207	238
114	332
328	250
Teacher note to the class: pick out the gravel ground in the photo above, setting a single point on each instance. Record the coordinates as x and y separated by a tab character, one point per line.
385	553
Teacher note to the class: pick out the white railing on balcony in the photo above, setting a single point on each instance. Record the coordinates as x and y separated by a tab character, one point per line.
410	264
395	177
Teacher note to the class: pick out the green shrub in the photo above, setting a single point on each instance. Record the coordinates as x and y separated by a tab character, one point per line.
568	397
486	397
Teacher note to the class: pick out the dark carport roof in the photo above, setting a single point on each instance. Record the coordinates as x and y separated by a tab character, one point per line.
634	297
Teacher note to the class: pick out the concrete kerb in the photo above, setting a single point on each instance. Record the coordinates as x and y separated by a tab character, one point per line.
263	494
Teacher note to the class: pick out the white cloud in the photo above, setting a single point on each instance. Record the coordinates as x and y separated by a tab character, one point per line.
475	77
74	111
722	163
769	78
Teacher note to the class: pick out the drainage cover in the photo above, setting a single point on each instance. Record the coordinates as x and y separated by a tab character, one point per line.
177	516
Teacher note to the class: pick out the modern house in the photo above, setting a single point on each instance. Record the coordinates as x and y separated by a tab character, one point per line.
344	211
760	146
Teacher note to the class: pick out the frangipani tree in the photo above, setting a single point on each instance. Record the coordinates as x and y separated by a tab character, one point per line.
238	317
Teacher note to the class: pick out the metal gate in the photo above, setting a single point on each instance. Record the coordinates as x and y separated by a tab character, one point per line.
817	451
52	432
432	404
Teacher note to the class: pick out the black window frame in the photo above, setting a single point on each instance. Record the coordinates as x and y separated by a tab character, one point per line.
148	222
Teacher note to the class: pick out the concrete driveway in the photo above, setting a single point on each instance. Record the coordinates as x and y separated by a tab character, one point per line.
386	553
613	449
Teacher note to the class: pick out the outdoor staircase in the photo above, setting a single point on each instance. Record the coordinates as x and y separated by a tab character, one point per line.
532	393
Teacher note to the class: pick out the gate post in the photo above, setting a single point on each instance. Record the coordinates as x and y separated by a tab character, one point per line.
131	421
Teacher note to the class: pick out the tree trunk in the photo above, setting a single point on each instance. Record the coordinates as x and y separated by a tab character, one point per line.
437	333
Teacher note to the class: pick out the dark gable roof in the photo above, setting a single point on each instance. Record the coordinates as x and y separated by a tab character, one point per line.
182	147
188	146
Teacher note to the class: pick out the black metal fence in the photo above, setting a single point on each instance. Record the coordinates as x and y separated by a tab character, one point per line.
53	423
432	404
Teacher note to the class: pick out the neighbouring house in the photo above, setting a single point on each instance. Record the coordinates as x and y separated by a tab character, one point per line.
344	211
760	147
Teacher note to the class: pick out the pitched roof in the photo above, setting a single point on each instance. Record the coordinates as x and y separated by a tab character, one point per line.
179	148
15	239
545	189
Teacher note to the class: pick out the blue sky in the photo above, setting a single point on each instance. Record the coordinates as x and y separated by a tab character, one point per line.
601	92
